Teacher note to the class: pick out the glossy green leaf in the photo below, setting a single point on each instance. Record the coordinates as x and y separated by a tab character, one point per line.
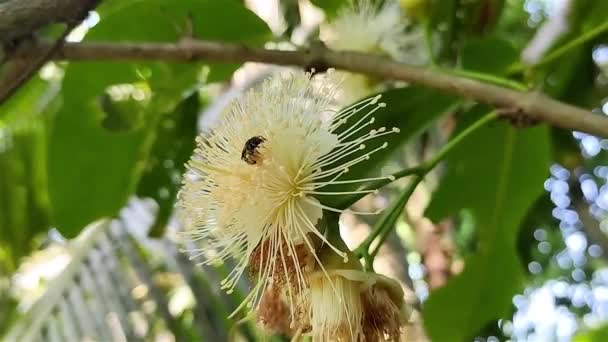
99	143
497	173
411	110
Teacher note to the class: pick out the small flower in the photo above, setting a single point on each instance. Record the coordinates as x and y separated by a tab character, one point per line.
365	27
251	186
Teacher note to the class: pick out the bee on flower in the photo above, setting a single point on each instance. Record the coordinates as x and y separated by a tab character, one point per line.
251	188
363	26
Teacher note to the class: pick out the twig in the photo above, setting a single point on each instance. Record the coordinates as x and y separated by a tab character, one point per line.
22	70
552	56
536	105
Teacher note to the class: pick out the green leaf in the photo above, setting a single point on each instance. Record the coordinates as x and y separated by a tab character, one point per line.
443	27
330	7
489	55
215	20
571	77
412	110
24	203
99	144
599	334
497	173
205	19
92	171
452	23
173	145
27	102
23	190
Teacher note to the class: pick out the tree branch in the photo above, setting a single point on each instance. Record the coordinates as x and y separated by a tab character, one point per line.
18	22
533	104
20	18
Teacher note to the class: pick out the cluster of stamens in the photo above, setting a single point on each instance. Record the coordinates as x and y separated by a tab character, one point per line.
253	184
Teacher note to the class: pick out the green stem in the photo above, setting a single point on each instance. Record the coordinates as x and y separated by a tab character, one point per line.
421	169
385	224
395	212
555	54
501	81
431	163
377	184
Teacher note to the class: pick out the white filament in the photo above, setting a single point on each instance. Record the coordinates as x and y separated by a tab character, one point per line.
230	207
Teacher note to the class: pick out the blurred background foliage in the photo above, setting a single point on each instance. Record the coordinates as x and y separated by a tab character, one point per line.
525	206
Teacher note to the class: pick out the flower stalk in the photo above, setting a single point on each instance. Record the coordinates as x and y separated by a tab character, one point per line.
386	223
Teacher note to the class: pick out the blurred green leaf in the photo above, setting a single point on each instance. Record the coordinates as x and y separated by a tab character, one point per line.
489	55
595	335
23	191
27	102
514	23
410	109
453	23
215	20
443	15
206	19
497	173
330	7
24	202
93	170
572	77
8	304
173	145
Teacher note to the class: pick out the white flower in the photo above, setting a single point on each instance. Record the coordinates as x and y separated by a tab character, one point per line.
352	305
251	185
365	27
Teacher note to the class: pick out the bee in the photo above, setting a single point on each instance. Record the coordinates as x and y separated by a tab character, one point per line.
250	153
